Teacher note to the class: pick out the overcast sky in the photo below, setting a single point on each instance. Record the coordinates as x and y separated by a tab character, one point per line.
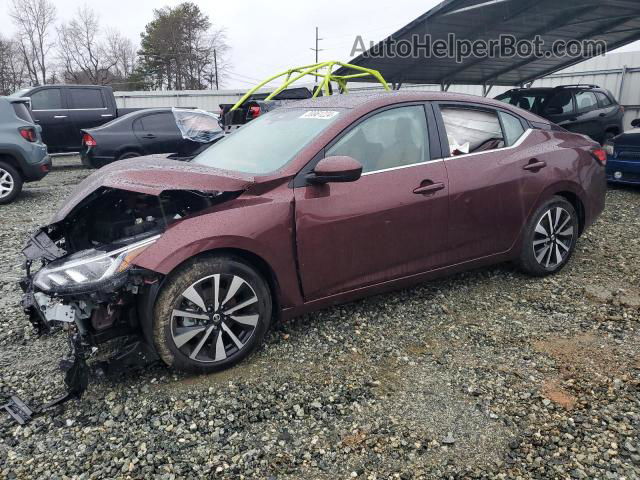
266	36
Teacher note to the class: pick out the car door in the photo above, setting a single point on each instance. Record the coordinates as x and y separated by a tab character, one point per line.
495	177
560	108
390	223
88	109
588	121
157	133
49	109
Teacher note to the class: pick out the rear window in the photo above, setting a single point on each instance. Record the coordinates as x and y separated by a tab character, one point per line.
470	130
603	99
530	101
22	111
86	98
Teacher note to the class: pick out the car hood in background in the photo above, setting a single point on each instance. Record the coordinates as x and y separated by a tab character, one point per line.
153	175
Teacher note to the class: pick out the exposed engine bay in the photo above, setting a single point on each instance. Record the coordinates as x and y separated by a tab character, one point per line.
80	274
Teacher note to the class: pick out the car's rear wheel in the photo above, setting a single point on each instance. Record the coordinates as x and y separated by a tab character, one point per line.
10	183
211	314
550	238
126	155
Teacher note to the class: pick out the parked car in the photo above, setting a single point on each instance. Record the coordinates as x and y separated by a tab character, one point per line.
586	109
63	110
623	164
149	131
316	203
23	156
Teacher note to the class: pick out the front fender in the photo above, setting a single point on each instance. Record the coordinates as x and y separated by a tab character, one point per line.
264	229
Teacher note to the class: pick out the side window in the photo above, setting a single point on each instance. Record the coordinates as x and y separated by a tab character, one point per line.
586	101
512	128
389	139
48	99
560	103
158	122
603	100
470	130
86	98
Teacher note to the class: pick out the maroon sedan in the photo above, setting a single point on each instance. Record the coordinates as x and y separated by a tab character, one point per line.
313	204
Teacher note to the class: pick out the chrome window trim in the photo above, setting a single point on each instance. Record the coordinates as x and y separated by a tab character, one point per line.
401	167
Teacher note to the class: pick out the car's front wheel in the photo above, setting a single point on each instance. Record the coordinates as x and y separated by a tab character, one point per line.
549	238
211	313
10	183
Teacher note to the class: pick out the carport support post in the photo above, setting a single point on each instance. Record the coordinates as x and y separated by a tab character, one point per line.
486	88
622	78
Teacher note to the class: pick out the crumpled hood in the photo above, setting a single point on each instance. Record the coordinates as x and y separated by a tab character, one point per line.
153	175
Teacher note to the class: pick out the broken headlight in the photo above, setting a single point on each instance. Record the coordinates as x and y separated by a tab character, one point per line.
89	267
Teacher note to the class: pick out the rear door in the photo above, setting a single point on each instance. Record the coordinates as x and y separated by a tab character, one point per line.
158	133
87	108
561	108
390	223
496	175
588	120
49	110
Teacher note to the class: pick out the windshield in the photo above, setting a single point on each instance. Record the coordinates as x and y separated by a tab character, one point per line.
269	142
534	102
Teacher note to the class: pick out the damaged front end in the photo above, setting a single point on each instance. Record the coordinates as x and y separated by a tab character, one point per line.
81	275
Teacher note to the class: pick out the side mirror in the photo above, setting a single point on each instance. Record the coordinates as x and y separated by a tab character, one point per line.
553	111
635	123
336	169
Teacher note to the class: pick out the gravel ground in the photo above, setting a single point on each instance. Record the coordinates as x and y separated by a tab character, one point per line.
488	374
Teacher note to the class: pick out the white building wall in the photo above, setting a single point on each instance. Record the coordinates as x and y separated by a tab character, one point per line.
617	72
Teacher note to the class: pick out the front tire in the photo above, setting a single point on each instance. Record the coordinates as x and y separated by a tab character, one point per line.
211	313
550	238
10	183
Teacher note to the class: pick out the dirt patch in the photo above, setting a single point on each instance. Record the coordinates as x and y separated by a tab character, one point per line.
584	355
554	392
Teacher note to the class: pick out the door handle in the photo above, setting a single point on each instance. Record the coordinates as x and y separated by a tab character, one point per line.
149	135
106	115
535	165
602	114
429	188
573	119
59	116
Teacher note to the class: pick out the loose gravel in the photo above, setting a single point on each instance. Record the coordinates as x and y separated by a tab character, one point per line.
487	374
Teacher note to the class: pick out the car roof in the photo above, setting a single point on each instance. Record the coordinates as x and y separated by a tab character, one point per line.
365	101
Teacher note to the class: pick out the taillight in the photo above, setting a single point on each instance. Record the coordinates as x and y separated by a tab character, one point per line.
621	109
254	111
28	133
88	140
600	155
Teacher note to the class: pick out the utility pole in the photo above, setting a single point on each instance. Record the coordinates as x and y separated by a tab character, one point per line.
215	66
317	50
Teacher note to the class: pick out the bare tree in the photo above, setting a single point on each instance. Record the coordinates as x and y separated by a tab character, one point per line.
13	71
34	20
122	54
84	56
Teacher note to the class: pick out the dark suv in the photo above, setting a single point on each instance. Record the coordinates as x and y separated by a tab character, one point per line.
586	109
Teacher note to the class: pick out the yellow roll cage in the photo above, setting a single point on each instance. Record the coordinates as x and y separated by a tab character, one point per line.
322	70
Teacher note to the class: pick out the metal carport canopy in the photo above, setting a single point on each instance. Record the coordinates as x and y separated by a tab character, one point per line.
617	22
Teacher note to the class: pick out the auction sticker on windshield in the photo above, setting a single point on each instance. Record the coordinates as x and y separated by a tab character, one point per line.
319	114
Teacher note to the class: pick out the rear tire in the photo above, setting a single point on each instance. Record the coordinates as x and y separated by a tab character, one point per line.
550	238
196	330
126	155
10	183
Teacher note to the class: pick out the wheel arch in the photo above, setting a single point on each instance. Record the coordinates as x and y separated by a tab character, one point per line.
577	204
11	159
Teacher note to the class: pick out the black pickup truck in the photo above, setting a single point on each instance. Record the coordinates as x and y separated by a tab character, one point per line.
63	110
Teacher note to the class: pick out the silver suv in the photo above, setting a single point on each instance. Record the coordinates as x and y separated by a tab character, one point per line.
23	156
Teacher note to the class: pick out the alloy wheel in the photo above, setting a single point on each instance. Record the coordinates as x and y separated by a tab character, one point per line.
553	237
7	183
215	318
